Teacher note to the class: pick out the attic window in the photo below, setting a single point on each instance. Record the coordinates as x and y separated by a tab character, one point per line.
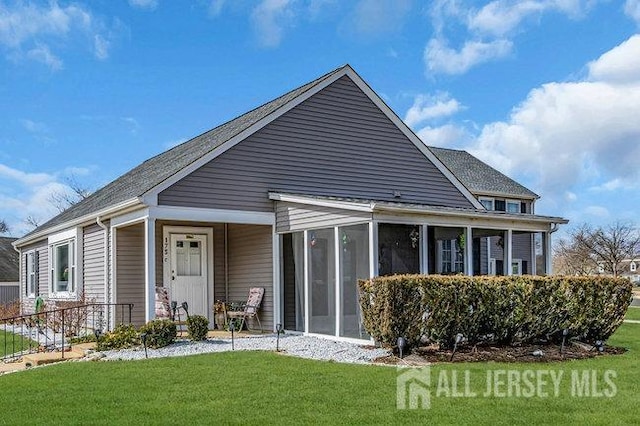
632	266
488	203
513	206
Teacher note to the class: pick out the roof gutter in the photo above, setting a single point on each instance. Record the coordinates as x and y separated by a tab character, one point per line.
125	205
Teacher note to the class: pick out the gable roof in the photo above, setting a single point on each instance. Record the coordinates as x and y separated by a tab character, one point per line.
155	170
479	177
9	269
164	169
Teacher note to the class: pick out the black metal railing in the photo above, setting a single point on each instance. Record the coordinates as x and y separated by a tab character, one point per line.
51	330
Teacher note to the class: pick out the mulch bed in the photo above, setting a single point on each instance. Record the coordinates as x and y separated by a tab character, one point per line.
523	353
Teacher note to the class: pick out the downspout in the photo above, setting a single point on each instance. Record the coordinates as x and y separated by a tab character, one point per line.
106	258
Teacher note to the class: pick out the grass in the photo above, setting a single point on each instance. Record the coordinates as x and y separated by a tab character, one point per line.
633	313
268	388
10	343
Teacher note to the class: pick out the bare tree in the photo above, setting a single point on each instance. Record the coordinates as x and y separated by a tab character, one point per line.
32	221
4	228
62	200
589	248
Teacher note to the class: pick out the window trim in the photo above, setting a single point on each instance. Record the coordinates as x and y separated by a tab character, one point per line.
493	202
74	238
31	271
512	202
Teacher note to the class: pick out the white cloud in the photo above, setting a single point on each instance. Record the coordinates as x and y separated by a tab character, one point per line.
620	64
29	30
39	131
500	17
448	135
440	58
24	194
632	10
269	20
597	211
570	196
380	16
41	53
427	107
215	7
569	135
144	4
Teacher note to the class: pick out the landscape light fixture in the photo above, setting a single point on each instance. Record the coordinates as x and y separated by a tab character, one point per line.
98	334
402	346
600	345
143	337
279	330
565	333
457	340
232	327
185	306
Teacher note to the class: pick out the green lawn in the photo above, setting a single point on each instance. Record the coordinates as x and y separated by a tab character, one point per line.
633	313
261	387
10	343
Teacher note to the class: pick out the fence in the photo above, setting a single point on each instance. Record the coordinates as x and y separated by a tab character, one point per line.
51	330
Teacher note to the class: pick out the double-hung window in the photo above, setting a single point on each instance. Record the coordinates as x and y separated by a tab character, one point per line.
513	206
63	268
32	273
487	202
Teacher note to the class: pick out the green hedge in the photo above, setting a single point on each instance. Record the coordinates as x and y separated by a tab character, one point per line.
503	310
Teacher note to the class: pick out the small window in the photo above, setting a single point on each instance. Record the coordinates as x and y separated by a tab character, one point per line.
632	266
500	205
63	267
513	206
488	203
32	282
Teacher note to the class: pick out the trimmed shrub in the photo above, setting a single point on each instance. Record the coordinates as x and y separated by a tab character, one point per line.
160	332
197	327
122	337
503	310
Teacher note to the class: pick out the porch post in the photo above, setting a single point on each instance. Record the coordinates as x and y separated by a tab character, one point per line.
150	267
373	249
468	251
424	249
306	282
547	253
508	252
277	293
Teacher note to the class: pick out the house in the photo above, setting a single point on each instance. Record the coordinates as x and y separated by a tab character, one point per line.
9	275
303	196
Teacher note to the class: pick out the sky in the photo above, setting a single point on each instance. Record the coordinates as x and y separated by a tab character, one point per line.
546	91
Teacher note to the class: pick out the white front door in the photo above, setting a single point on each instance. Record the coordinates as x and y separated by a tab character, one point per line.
188	271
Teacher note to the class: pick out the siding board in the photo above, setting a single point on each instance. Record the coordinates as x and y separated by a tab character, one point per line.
297	217
93	263
130	269
336	143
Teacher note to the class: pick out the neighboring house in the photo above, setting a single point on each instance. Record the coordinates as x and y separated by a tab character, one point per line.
9	275
303	196
629	268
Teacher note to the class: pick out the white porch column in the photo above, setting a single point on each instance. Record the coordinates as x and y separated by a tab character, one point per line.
336	285
508	252
468	251
373	249
150	267
307	315
277	268
548	269
424	249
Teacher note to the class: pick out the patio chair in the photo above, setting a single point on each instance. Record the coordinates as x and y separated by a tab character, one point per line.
250	309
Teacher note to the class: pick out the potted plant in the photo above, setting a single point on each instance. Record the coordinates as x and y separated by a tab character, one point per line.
220	314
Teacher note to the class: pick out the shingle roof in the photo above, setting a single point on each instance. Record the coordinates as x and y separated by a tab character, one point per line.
157	169
479	177
8	261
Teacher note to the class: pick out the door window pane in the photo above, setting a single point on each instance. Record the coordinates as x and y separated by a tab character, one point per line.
354	265
322	283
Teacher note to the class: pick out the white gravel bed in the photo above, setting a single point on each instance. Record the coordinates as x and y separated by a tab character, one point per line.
295	345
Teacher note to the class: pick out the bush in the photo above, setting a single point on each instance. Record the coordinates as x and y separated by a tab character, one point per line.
160	332
122	337
197	326
503	310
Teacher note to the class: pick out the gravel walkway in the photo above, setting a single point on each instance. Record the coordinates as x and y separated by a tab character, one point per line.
300	346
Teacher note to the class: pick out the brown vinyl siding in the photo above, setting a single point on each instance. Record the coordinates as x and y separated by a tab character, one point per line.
250	265
93	267
296	217
130	270
336	143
